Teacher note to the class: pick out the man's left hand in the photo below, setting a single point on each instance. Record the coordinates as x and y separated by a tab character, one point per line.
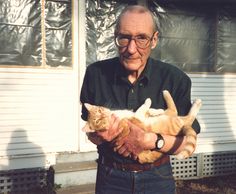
134	143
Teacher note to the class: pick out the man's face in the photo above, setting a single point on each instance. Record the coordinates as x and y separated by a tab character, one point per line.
135	24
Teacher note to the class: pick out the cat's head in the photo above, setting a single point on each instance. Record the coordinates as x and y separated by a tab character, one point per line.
98	117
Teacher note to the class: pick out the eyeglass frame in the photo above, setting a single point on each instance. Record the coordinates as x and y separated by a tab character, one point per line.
134	38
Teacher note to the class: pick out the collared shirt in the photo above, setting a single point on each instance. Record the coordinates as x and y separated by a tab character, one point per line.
106	84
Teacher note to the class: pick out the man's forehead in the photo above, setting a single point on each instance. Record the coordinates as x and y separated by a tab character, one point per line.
140	23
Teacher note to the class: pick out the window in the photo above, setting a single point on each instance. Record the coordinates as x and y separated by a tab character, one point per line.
36	33
199	37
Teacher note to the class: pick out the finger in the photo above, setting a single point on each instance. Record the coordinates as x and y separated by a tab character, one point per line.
116	148
120	142
113	128
134	157
126	154
131	125
114	121
122	150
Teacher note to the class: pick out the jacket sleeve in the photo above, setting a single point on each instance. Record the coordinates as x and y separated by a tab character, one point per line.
86	94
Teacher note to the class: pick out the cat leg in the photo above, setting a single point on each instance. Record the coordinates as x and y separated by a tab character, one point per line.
171	108
189	118
195	109
141	113
155	112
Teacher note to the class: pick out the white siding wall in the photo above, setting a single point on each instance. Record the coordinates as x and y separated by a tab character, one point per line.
218	113
38	113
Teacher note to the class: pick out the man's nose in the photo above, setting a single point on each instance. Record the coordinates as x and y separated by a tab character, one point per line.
132	47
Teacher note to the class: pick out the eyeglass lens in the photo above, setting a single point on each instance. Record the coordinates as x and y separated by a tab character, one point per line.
142	41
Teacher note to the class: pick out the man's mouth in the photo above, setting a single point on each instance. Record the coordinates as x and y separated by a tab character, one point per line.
131	58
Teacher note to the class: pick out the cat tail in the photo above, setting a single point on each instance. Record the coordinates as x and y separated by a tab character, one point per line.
171	108
190	145
189	132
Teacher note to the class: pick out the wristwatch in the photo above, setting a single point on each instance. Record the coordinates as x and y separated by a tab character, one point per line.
159	142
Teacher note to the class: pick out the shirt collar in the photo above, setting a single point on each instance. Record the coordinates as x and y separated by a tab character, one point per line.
121	74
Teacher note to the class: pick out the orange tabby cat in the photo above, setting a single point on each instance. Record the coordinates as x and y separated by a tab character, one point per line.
156	120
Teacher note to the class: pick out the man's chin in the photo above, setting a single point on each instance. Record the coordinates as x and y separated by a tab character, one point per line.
132	65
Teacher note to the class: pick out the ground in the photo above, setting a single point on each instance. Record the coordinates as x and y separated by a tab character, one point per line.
210	185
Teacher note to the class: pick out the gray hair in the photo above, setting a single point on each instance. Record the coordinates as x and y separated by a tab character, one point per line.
135	9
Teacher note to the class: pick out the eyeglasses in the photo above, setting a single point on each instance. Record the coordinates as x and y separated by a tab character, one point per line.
142	41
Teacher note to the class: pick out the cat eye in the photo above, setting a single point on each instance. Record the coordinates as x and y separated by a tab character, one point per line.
142	41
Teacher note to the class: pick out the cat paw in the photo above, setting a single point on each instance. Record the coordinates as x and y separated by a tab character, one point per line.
180	156
166	95
165	92
148	102
184	154
198	102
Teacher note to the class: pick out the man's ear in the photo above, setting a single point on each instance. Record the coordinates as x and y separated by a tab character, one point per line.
154	40
88	106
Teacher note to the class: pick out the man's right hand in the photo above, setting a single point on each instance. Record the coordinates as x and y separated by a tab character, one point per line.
112	132
98	137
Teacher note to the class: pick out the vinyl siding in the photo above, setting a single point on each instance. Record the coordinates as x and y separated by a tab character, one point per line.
38	111
218	113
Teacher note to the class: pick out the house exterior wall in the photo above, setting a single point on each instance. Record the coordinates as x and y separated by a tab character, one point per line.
39	102
39	113
217	115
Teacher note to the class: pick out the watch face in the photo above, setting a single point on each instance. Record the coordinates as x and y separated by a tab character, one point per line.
160	143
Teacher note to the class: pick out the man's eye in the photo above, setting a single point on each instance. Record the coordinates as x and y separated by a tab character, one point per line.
141	37
124	37
123	40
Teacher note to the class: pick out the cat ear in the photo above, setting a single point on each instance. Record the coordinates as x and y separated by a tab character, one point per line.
88	106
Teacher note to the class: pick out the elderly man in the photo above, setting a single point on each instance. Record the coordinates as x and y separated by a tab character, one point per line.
125	82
